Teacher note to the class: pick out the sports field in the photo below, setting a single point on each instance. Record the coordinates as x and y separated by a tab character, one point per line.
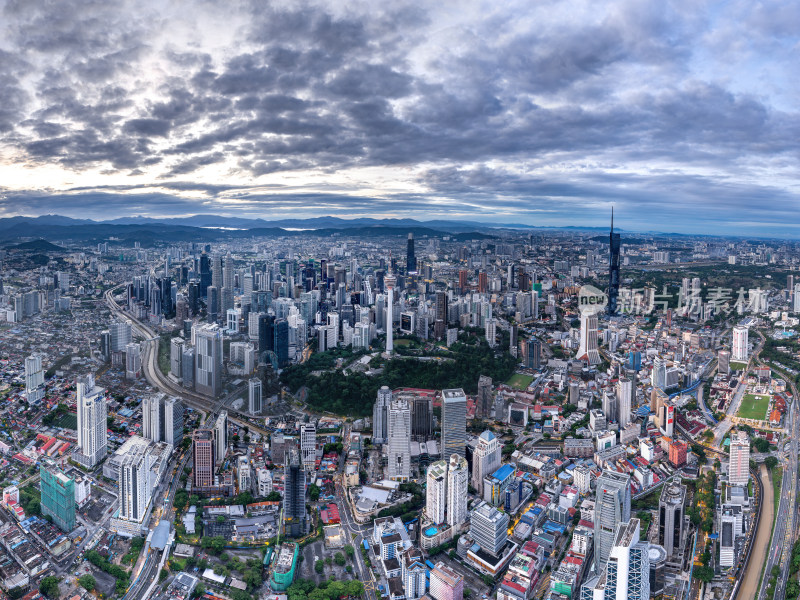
68	421
754	406
519	381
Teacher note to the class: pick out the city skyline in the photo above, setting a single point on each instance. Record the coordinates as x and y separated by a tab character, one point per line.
683	117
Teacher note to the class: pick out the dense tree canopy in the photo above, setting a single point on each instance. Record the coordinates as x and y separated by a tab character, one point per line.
354	394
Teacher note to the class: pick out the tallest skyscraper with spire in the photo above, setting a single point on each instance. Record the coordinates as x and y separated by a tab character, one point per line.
613	268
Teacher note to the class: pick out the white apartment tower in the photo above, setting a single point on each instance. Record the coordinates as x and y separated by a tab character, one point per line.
308	446
627	573
34	378
457	478
739	344
624	397
389	281
436	492
221	436
92	427
134	489
739	460
588	346
454	422
485	459
612	507
796	298
399	451
151	418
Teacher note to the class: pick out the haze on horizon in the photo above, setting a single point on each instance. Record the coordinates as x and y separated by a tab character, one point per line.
684	115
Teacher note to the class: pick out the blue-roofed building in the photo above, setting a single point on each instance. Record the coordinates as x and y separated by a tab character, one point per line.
160	536
495	485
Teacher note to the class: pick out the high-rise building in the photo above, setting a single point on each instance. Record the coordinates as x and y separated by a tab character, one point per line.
152	418
485	401
739	351
135	492
380	416
281	328
208	360
399	444
294	496
176	347
266	335
105	345
173	421
308	446
483	282
454	422
796	298
216	271
463	277
612	507
411	258
727	538
213	304
390	281
446	584
739	460
610	406
613	268
133	360
491	332
187	368
457	487
34	378
436	492
485	458
227	272
254	397
724	362
205	274
441	306
92	426
221	436
627	573
658	377
588	345
203	458
58	496
532	353
671	506
625	392
120	335
414	574
488	528
421	417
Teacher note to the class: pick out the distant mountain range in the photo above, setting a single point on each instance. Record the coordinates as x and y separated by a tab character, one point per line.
149	232
211	221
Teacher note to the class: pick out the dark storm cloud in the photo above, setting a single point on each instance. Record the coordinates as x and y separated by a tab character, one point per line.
469	99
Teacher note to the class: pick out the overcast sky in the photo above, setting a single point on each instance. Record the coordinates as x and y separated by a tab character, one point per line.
684	115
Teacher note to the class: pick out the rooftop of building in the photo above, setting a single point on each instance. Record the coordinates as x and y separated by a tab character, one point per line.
487	511
283	563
